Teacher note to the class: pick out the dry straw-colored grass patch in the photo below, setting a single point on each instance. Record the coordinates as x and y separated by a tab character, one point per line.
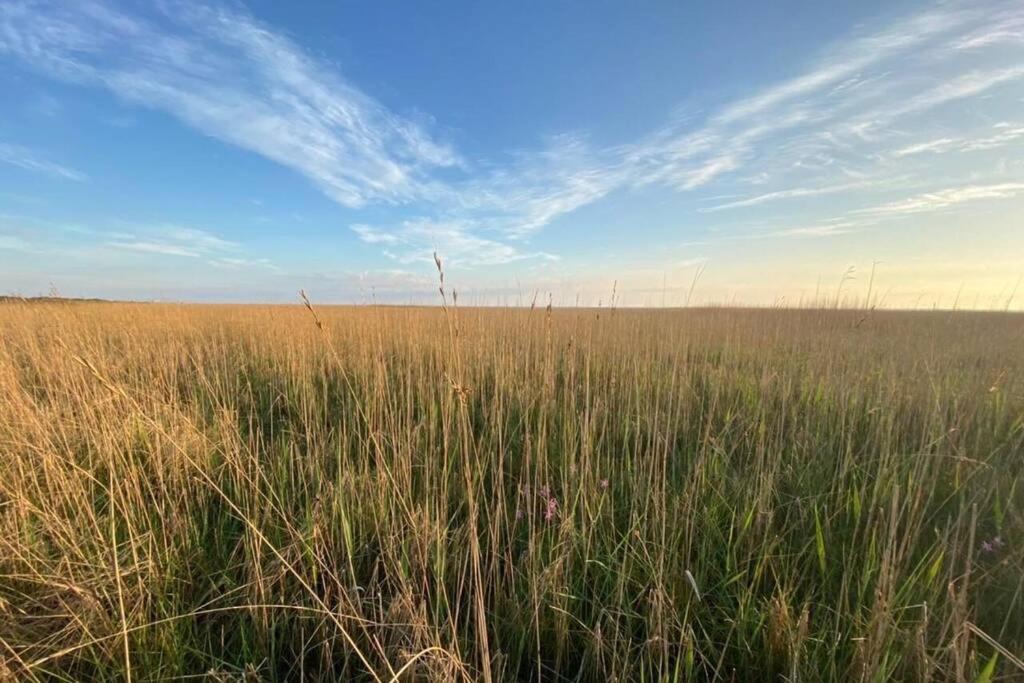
271	493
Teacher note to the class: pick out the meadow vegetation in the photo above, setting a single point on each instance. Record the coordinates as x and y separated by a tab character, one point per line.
378	493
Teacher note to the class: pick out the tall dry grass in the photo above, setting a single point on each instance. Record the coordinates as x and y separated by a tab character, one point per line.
275	493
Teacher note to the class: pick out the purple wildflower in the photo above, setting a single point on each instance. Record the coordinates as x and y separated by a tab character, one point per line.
992	545
550	510
604	484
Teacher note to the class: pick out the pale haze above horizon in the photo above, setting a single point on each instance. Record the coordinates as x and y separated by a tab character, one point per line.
750	153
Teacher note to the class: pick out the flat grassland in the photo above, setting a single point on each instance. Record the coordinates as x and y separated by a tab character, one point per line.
278	493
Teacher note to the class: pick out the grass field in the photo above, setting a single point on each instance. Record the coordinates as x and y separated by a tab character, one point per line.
272	493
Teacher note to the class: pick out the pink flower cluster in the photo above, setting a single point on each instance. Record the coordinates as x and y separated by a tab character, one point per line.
989	547
550	509
549	504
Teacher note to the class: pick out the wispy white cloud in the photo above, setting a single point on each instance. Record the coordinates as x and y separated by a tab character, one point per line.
524	195
990	37
946	198
416	241
938	145
200	239
222	72
842	68
29	160
392	284
174	240
708	171
13	243
815	231
235	263
828	129
792	193
1004	134
1007	28
371	235
829	227
166	248
963	86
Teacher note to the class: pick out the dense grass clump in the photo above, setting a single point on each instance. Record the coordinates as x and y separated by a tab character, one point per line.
274	493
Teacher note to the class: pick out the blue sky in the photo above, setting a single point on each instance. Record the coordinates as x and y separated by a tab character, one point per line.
217	151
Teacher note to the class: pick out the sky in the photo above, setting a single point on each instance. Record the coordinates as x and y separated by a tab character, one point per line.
660	154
